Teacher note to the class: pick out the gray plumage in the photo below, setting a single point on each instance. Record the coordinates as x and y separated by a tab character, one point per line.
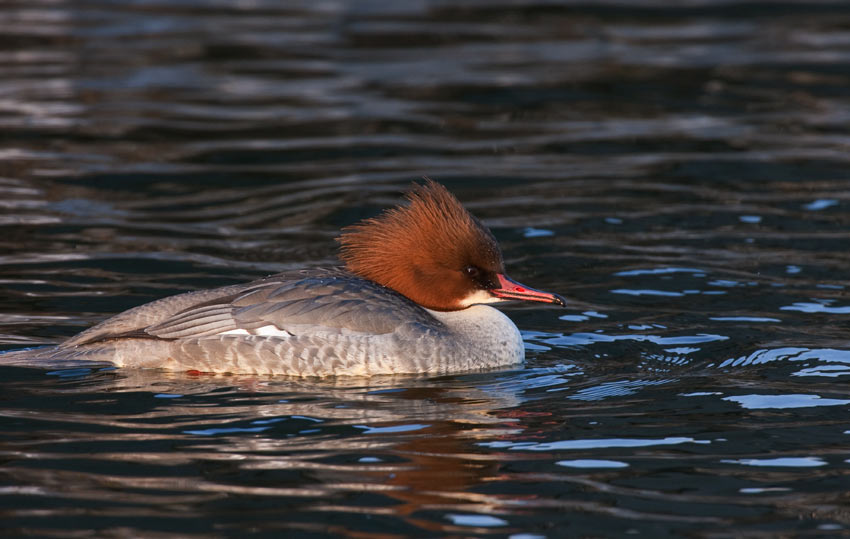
323	322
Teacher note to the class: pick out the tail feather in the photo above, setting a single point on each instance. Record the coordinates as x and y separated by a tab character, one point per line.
45	357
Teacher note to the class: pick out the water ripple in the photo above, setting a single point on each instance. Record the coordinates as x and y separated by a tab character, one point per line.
679	173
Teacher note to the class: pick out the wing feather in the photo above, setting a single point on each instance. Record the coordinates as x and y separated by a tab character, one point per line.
321	300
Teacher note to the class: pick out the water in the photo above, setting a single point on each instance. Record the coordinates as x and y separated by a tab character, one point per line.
679	173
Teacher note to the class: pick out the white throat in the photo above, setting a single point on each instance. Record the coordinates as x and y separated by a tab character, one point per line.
479	297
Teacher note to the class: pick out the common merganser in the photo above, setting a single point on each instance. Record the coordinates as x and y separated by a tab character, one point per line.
410	299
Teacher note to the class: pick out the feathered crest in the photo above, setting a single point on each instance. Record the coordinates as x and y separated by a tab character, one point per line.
410	248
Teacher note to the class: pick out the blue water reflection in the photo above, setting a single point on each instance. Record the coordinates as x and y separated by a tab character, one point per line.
678	172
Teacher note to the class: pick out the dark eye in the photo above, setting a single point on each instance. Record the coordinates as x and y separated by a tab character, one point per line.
472	271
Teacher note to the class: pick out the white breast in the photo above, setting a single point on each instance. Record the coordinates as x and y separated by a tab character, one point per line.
484	334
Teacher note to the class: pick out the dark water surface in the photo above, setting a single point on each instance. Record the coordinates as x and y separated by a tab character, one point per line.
681	174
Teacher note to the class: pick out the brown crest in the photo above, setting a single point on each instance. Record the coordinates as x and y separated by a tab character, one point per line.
421	250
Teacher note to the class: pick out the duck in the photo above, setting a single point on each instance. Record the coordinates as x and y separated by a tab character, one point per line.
413	295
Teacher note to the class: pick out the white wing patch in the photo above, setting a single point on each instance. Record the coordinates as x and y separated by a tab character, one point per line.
265	331
272	331
235	332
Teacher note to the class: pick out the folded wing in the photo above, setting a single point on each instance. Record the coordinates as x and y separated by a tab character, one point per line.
292	303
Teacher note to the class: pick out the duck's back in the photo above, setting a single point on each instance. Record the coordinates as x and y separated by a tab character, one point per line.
294	302
310	322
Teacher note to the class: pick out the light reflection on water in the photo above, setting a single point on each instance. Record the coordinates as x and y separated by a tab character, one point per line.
679	173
